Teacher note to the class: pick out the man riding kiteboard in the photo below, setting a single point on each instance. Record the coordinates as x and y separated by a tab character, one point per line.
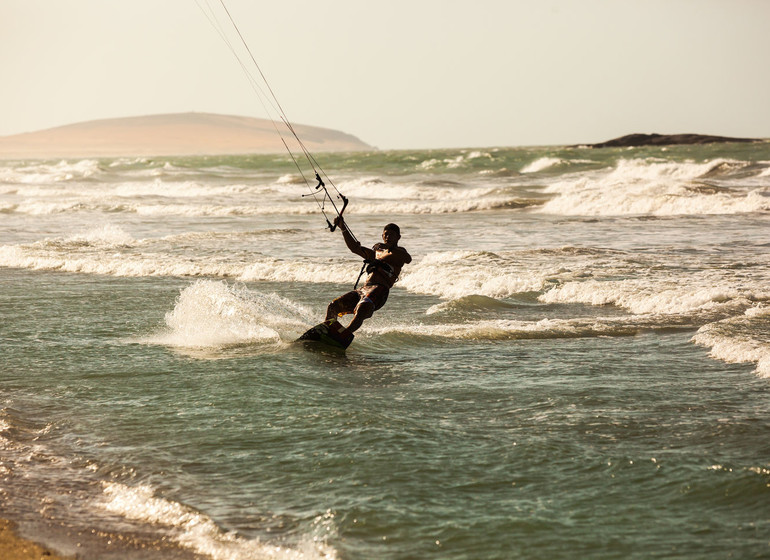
383	264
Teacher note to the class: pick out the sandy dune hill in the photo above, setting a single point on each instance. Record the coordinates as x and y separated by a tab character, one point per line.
172	134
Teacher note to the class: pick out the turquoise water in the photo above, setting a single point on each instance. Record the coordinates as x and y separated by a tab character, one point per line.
575	364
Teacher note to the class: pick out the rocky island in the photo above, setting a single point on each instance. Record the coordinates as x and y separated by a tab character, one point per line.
636	140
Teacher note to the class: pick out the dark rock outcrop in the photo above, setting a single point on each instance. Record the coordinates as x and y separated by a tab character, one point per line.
635	140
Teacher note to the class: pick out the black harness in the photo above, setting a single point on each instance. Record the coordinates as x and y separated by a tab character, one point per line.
371	266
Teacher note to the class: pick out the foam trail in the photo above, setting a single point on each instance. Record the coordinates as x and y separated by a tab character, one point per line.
213	314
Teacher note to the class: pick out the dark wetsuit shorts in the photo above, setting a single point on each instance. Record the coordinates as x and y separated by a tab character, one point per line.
375	293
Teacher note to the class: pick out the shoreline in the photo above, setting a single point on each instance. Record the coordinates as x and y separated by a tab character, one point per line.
15	547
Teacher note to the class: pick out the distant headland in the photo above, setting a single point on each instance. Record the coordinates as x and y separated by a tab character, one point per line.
173	134
636	140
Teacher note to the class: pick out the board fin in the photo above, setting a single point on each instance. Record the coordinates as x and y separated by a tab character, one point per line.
331	333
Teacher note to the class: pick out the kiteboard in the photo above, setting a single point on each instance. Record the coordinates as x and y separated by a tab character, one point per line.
330	333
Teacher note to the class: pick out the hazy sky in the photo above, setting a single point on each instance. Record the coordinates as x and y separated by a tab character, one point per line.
401	74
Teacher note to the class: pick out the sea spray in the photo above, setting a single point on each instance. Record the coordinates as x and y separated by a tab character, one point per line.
215	314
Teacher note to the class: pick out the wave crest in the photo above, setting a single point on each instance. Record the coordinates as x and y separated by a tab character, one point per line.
740	339
663	188
197	531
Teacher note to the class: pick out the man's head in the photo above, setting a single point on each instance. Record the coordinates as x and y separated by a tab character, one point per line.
391	233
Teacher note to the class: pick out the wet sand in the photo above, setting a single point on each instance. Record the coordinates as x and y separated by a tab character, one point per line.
14	547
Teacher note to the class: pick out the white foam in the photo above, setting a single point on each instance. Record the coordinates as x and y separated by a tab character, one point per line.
42	208
108	235
373	195
504	329
128	161
455	162
95	252
466	303
279	270
211	314
42	256
39	208
220	210
651	187
182	189
441	207
645	296
198	532
291	179
541	164
740	339
44	173
455	274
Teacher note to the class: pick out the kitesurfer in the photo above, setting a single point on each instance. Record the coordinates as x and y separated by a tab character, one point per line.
383	265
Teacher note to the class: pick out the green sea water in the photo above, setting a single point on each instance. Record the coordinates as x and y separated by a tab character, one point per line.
574	365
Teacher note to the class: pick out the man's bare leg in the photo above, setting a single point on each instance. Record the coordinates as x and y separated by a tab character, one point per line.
332	311
363	311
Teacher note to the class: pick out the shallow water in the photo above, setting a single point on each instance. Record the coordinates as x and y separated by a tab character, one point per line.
575	364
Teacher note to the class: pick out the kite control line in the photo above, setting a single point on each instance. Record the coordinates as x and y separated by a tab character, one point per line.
322	185
267	98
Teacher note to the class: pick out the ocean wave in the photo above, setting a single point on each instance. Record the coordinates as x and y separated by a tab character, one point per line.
504	329
50	257
652	187
106	236
471	303
296	208
649	296
202	236
541	164
456	274
94	252
456	162
368	188
740	339
196	531
291	179
94	193
278	270
182	189
33	472
45	173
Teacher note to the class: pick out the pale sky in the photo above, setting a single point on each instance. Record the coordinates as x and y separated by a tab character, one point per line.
401	73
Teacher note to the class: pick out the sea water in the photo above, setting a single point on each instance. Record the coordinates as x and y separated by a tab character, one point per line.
576	364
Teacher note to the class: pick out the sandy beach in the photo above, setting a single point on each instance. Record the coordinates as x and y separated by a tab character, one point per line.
173	134
16	548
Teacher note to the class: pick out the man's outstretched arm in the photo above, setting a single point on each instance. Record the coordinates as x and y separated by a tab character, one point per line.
353	245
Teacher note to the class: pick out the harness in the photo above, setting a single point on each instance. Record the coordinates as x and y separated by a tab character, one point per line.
371	266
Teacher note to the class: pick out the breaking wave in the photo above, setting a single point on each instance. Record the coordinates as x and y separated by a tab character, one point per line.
745	338
196	531
660	188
